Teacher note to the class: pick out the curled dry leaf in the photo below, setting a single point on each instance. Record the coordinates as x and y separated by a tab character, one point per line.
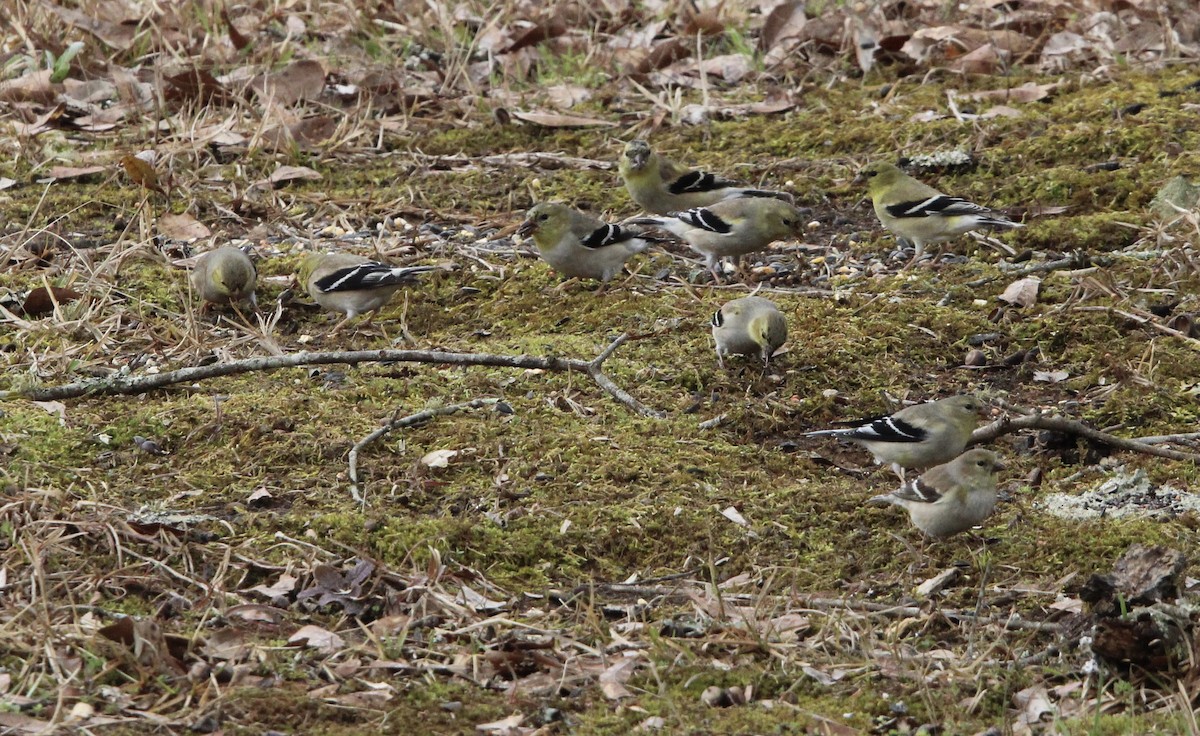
42	300
182	227
438	458
1022	292
141	172
315	637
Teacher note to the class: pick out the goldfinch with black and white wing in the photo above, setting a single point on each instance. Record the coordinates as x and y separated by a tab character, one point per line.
918	436
731	227
920	214
661	186
353	285
751	325
578	245
949	498
225	276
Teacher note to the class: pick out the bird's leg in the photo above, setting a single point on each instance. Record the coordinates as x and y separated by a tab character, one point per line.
342	323
720	359
898	470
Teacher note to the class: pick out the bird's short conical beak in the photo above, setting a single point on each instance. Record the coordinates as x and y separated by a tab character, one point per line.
527	228
639	159
859	178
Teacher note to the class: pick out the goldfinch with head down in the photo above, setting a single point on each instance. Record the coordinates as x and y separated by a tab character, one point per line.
949	498
580	246
661	186
921	214
225	276
731	227
352	285
751	325
918	436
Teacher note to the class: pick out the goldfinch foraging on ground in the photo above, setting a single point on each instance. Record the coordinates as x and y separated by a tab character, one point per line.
748	326
918	436
731	227
661	186
352	285
949	498
225	276
921	214
578	245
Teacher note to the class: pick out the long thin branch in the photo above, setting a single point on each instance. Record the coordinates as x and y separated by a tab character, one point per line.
1070	426
123	384
1075	260
409	421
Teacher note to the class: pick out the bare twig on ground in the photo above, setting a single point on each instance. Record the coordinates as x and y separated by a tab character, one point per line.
1070	426
122	384
1075	260
1146	320
409	421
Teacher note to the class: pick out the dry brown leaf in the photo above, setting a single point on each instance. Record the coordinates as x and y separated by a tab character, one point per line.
284	174
235	36
1022	292
1028	92
613	679
300	80
546	28
316	637
182	227
118	35
784	22
503	726
141	172
558	120
41	301
197	85
664	54
73	172
31	87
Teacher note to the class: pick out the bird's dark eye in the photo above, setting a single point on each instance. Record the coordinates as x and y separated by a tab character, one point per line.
543	217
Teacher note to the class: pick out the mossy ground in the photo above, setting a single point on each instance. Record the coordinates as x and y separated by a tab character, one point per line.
643	496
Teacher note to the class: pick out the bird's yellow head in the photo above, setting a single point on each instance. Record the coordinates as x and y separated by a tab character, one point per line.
546	222
307	266
984	461
636	154
230	279
769	331
879	175
781	218
965	404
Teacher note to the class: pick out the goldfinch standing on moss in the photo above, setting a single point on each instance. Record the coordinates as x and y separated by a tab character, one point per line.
949	498
748	326
225	276
579	246
352	285
921	214
731	227
661	186
917	436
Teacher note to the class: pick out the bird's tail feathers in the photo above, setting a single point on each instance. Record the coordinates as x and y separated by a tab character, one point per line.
885	499
768	193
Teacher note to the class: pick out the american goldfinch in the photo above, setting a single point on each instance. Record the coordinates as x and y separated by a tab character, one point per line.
918	436
661	186
921	214
949	498
578	245
748	326
731	227
350	284
225	276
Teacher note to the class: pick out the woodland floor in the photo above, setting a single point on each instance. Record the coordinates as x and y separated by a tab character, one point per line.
555	563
